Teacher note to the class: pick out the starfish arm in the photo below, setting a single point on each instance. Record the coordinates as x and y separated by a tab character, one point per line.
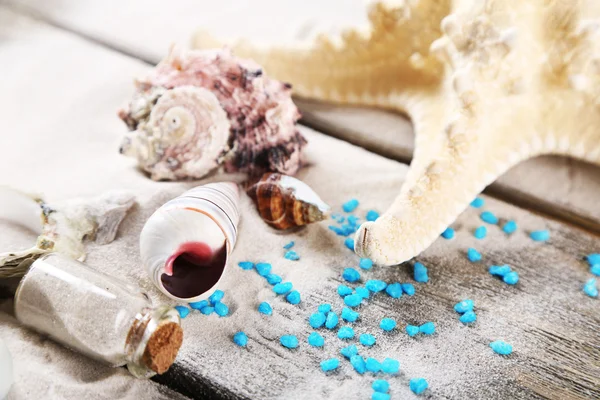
359	67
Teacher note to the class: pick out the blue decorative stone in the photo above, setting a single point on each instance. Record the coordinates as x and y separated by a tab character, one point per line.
381	386
373	365
501	347
240	339
362	292
316	340
367	339
590	288
349	351
365	263
344	290
293	297
352	220
345	332
350	205
289	341
511	278
273	279
353	300
199	305
387	324
390	366
330	365
394	290
372	215
263	269
216	297
480	232
351	275
317	320
283	288
221	309
509	227
448	233
349	243
289	245
380	396
420	273
331	321
489	217
468	317
291	255
246	265
358	363
408	289
478	202
207	310
427	328
324	308
418	385
265	308
464	306
412	330
338	231
593	258
595	269
349	315
540	236
499	270
473	255
183	311
375	285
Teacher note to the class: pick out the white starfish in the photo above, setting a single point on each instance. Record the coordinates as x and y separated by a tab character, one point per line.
487	84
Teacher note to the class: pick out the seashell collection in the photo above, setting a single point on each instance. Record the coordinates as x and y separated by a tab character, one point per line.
285	202
198	110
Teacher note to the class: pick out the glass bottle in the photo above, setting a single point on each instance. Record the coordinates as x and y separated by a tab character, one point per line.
98	315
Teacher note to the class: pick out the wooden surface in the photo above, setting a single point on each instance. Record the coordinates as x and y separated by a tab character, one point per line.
552	325
139	29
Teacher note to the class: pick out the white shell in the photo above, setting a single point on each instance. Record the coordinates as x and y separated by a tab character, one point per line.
203	218
6	370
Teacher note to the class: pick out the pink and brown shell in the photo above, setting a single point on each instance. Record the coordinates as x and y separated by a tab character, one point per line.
200	109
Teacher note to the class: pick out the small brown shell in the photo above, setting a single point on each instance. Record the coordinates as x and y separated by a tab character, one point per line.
285	202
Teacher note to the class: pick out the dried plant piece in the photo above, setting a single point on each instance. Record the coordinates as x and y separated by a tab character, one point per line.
201	109
285	202
63	228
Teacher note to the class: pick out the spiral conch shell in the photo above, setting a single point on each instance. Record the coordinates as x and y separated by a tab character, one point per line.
184	245
285	202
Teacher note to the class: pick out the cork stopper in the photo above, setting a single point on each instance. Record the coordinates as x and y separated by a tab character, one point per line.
162	347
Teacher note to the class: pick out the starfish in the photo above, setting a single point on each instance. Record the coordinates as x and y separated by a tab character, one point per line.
487	84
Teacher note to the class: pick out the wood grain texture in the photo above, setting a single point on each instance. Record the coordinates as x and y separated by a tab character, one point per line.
558	186
551	324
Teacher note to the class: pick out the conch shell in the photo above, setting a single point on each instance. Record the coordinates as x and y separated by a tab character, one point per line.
201	109
63	228
184	245
286	202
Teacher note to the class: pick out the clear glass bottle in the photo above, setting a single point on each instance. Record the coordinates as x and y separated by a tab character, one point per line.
98	315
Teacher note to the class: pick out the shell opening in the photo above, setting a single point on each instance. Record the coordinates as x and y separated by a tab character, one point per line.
193	269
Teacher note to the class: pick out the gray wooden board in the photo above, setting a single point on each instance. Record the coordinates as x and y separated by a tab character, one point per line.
557	186
551	324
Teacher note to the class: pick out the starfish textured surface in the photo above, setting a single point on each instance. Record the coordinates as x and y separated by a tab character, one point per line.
487	84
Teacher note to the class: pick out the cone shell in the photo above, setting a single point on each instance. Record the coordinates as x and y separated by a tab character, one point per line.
184	245
285	202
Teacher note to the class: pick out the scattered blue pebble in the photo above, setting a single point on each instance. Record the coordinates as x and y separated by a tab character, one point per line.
499	270
478	202
183	311
349	243
317	320
381	386
221	309
468	317
246	265
501	347
273	279
293	297
199	305
353	220
540	236
289	245
283	288
367	339
345	332
509	227
418	385
590	288
291	255
593	258
420	273
216	297
473	255
207	310
372	215
394	290
380	396
338	217
324	308
448	233
595	269
344	290
412	330
349	351
348	229
428	328
316	340
375	285
350	205
511	278
387	324
362	292
351	275
373	365
349	315
330	365
358	363
263	269
289	341
265	308
240	339
353	300
338	231
331	321
489	217
365	263
408	289
480	232
390	366
464	306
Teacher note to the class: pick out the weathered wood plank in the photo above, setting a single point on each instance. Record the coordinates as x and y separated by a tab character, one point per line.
557	186
551	324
